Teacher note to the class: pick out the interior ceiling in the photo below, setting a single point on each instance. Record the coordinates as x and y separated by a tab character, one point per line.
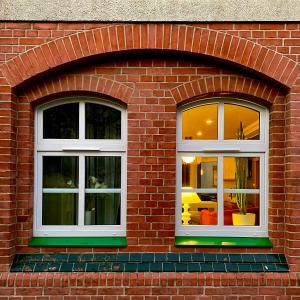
201	122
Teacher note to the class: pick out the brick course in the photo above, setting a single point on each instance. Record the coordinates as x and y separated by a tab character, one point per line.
152	68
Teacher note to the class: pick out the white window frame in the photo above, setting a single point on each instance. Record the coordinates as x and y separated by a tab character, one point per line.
81	148
221	148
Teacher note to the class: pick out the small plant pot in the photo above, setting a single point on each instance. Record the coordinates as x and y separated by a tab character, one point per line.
243	220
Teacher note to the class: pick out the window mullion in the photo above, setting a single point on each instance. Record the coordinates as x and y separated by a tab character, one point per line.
81	196
221	121
82	121
220	187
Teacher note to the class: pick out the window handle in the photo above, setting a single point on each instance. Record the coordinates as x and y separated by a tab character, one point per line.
215	150
72	148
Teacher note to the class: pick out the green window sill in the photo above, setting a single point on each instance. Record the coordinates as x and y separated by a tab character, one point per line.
196	241
78	242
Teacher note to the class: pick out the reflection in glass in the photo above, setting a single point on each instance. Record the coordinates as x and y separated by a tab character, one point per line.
200	173
60	209
200	123
230	207
199	208
103	172
102	209
102	122
61	122
251	174
60	171
234	116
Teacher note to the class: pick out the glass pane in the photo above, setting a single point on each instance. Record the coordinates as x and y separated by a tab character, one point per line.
103	172
237	203
241	172
61	122
102	122
60	209
200	123
199	172
102	209
60	172
240	123
199	209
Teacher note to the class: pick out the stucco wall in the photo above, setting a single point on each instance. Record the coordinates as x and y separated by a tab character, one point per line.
150	10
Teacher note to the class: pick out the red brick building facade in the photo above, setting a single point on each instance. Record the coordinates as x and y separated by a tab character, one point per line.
152	69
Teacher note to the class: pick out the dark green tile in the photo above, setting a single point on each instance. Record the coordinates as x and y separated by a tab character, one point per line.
118	267
260	258
168	267
185	257
222	257
282	258
219	267
54	267
206	267
29	267
235	258
74	257
36	257
92	267
17	267
181	267
173	257
66	267
79	267
41	267
270	267
273	258
193	267
135	257
248	258
244	267
62	257
198	257
232	267
210	257
282	268
50	257
156	267
257	267
87	257
131	267
105	266
143	267
160	257
123	257
148	257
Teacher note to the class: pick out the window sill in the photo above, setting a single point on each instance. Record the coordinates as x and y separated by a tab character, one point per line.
197	241
78	242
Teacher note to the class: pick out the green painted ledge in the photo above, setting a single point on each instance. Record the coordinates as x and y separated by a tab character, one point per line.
78	242
196	241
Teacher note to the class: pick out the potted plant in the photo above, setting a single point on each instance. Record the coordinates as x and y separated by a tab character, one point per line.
241	179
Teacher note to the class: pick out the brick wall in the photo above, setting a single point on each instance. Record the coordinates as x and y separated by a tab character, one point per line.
162	67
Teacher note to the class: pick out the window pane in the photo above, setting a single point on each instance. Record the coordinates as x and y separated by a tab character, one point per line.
102	122
61	122
60	172
200	123
60	209
199	172
248	203
103	172
240	123
199	209
241	172
102	209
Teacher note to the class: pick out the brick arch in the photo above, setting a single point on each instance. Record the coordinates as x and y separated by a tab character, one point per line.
224	84
88	83
164	37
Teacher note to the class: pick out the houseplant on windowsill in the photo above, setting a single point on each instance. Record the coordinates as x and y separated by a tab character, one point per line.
241	178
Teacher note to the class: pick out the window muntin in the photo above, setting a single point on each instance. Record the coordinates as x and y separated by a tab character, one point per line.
80	182
212	199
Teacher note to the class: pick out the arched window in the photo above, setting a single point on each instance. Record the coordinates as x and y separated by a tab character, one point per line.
80	168
222	154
